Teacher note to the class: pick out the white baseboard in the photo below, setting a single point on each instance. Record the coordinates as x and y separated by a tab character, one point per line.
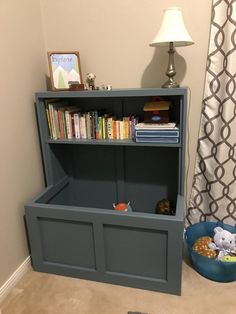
15	277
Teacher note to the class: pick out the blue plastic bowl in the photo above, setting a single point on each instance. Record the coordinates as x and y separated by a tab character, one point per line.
209	268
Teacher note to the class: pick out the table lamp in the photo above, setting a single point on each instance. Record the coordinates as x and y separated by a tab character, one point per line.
173	33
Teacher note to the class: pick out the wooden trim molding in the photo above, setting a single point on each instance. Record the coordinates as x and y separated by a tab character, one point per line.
14	278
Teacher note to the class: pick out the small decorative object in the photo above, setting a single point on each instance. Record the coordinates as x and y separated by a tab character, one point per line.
123	207
108	87
201	246
90	78
75	85
164	207
157	111
173	33
224	242
64	68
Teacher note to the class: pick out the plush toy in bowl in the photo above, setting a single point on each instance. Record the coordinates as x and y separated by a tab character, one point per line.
202	247
214	269
224	243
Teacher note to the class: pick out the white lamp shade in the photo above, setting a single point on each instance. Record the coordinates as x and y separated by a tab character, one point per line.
172	29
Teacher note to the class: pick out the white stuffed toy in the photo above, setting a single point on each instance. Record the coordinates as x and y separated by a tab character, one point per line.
224	242
91	80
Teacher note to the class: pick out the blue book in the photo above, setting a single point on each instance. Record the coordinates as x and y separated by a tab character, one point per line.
158	133
157	139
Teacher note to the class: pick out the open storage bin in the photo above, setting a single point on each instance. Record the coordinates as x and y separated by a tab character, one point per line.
209	268
72	226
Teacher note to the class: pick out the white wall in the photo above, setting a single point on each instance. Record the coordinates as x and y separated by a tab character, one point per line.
23	67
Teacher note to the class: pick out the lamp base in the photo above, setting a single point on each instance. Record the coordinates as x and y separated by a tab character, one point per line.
171	69
170	84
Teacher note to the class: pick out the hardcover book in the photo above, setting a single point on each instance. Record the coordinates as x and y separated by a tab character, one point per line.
158	133
157	140
155	126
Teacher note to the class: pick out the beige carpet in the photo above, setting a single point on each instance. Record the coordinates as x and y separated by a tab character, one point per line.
39	293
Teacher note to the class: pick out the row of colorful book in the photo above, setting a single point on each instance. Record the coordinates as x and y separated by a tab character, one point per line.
71	122
157	132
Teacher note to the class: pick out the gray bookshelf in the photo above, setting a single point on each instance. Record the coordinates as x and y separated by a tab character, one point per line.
72	227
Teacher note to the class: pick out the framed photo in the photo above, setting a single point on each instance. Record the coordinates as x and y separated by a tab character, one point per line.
64	69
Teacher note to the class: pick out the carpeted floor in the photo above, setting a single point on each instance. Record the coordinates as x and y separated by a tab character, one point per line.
39	293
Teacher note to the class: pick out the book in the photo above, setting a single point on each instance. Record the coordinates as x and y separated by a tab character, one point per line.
155	126
51	116
60	114
63	123
134	122
103	127
88	124
69	120
117	129
157	140
96	125
77	125
114	130
54	112
83	131
93	125
110	128
68	124
49	123
121	129
158	133
100	128
126	123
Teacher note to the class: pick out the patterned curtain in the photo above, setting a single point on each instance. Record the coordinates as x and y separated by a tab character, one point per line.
213	195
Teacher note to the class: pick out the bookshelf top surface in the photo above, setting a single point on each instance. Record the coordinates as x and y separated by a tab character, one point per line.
134	92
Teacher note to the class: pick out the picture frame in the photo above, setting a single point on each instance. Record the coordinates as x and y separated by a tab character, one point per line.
65	68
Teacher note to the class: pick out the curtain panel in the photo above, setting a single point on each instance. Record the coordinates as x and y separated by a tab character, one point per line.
213	194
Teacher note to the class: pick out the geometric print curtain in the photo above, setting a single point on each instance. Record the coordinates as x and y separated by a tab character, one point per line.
213	194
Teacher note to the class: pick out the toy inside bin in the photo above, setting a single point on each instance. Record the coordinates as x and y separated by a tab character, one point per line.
209	268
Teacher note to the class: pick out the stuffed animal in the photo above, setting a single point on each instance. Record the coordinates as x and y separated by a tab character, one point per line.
126	207
224	242
164	207
91	80
201	246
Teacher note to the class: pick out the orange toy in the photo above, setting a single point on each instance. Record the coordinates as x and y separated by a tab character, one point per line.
201	247
121	206
126	207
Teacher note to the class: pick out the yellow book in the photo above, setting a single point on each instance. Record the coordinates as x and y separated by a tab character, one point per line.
110	128
49	123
